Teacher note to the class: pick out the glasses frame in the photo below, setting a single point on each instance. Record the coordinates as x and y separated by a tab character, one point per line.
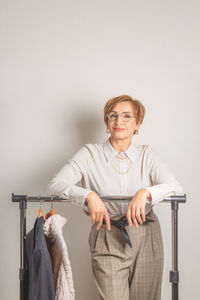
132	116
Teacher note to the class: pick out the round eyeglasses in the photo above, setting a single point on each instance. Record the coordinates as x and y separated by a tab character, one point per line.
112	116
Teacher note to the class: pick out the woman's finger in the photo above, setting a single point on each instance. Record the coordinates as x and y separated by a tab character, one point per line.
133	217
142	212
107	220
100	222
137	215
97	216
93	217
128	216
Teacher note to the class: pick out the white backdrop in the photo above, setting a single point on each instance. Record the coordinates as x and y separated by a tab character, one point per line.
60	62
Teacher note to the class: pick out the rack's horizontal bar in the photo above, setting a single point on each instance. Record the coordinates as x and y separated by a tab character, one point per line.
181	198
126	199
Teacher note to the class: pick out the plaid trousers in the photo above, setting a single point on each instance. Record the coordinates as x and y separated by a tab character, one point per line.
124	273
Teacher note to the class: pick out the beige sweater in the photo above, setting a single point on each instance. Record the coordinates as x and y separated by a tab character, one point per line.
62	273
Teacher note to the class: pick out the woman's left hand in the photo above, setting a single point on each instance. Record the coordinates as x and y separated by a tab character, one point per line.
136	208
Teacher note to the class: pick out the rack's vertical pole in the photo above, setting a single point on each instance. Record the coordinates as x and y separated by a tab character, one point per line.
174	274
22	270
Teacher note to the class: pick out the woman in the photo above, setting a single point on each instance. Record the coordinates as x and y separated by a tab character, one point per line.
120	167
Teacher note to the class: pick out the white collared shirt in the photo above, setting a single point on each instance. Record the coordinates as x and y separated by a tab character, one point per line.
96	168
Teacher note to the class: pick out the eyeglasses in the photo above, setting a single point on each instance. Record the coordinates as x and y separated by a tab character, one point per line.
124	116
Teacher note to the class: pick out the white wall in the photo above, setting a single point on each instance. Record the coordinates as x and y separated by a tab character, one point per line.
60	62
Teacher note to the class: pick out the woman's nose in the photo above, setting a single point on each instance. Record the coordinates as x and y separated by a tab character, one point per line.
118	120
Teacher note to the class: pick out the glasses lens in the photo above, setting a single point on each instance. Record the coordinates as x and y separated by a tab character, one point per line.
112	116
126	117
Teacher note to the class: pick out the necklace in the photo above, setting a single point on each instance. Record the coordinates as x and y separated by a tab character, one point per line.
122	173
122	158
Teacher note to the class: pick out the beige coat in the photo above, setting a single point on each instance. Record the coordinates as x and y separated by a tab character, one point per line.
62	273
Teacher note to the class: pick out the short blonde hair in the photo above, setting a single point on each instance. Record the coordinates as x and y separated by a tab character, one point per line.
138	108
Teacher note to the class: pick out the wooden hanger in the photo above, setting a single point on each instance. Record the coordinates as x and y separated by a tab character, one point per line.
40	211
51	212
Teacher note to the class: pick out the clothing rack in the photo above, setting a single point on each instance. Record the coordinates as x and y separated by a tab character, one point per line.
23	199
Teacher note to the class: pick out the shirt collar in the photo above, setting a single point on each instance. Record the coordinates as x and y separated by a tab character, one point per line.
110	151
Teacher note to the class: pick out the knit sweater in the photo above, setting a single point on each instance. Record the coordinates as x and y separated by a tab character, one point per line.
62	273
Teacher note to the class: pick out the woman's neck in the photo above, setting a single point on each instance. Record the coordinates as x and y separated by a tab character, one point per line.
120	145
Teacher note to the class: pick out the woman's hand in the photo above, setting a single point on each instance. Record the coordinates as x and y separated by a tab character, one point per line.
136	208
98	210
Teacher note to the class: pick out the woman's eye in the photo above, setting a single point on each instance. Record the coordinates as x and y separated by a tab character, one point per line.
127	116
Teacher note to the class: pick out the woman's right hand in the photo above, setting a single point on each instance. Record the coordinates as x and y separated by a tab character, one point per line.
98	210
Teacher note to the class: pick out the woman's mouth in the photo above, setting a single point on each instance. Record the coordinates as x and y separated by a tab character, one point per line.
118	129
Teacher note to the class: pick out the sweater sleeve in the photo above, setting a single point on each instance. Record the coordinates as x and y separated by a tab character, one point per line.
63	184
164	183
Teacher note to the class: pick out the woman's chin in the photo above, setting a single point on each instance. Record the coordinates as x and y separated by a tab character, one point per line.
118	135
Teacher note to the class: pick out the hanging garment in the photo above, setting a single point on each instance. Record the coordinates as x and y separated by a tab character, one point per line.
40	275
62	273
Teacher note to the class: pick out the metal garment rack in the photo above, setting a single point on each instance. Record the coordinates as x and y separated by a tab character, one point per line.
23	199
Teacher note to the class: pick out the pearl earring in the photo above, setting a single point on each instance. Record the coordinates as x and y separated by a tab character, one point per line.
107	130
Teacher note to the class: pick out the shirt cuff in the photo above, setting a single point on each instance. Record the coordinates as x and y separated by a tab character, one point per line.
78	195
159	192
75	194
149	202
84	206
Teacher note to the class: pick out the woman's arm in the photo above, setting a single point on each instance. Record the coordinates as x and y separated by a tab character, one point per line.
164	183
63	184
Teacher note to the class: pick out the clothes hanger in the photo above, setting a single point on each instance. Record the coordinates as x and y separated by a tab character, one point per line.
40	210
51	212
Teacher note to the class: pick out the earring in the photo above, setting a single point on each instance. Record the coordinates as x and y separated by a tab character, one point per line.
107	130
135	132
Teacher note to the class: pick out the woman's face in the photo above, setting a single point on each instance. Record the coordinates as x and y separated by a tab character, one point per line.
118	128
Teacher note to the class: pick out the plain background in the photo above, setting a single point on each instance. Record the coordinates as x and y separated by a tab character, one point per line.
60	62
